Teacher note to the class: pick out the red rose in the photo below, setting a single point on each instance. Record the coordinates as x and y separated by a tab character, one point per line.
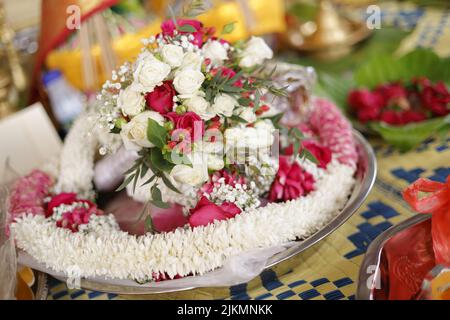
391	117
190	122
401	117
77	216
321	153
73	219
207	212
161	98
56	201
412	116
366	104
291	182
392	92
436	99
168	27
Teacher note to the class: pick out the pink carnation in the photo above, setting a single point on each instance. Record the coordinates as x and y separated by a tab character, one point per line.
291	182
28	194
335	132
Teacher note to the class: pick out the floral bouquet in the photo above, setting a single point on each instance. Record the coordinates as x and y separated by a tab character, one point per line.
405	100
196	129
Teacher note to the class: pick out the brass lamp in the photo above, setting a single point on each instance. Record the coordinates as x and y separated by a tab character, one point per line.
329	36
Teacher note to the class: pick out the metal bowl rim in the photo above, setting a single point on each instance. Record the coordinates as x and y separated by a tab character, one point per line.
372	256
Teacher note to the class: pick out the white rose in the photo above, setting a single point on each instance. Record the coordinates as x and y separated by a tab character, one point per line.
248	114
232	137
134	133
215	162
200	106
188	81
224	104
214	152
261	136
149	72
265	130
215	147
191	60
266	125
215	51
172	55
192	176
255	52
131	102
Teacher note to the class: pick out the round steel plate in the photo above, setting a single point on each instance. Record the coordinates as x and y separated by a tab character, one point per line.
365	178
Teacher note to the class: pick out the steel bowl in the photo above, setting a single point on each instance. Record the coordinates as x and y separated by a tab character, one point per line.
371	270
365	178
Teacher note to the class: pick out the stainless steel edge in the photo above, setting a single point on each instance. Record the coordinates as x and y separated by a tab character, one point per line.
372	257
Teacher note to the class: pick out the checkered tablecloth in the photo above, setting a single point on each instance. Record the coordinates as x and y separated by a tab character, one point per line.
329	270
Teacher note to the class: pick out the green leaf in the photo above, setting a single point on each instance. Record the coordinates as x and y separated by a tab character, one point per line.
149	163
157	198
169	184
296	148
156	193
297	133
158	161
156	133
228	28
308	155
408	136
245	102
334	87
148	224
160	204
136	178
144	170
238	119
276	120
149	181
187	28
386	68
125	182
236	77
231	89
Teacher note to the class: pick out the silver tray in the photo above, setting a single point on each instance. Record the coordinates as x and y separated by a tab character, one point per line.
365	178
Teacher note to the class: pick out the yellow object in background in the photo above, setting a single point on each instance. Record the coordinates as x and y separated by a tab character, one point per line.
263	17
440	286
69	62
25	280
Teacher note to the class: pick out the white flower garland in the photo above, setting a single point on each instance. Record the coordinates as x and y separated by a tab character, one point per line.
76	164
112	253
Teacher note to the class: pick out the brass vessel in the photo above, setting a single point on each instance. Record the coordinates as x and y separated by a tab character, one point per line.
329	36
